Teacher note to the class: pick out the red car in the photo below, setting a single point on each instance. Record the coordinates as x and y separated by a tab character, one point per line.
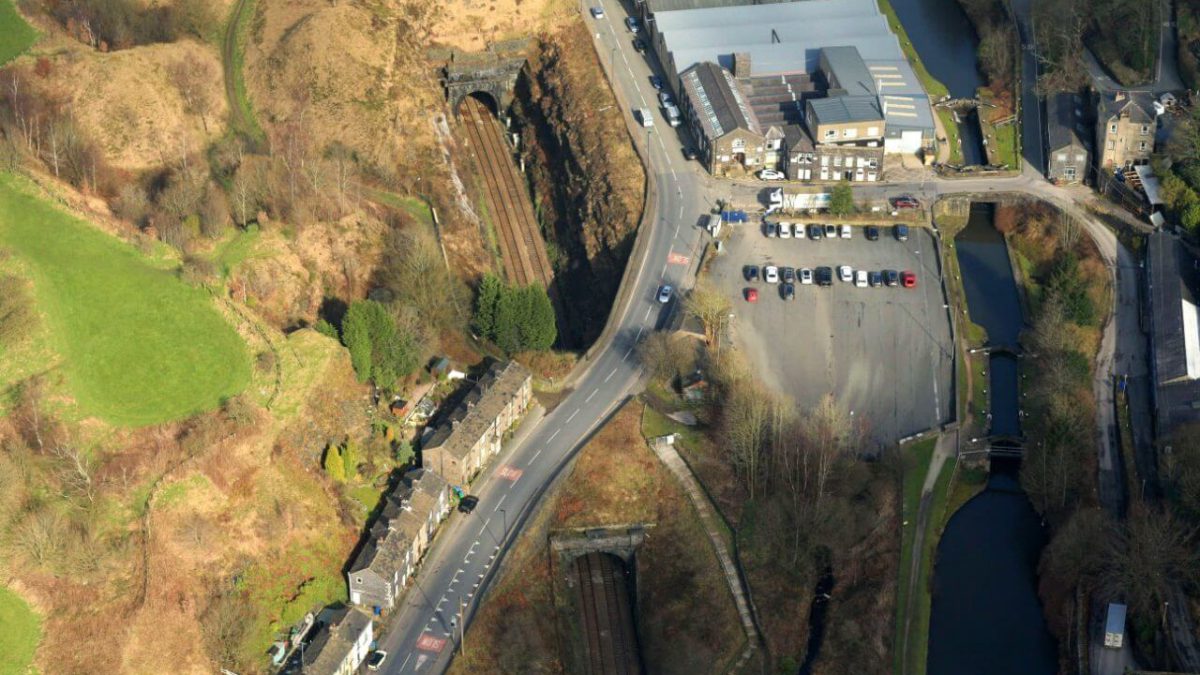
751	295
905	202
908	279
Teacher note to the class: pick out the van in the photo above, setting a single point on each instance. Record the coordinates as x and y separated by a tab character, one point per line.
672	114
644	117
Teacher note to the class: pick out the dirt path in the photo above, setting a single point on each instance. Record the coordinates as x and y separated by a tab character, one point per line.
238	117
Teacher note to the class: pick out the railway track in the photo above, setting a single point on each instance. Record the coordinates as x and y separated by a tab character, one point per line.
609	638
521	245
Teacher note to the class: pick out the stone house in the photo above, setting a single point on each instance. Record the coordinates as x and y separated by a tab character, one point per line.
1068	150
472	433
397	539
341	644
1125	125
728	133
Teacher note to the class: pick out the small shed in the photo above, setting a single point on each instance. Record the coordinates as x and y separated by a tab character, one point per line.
443	369
1114	626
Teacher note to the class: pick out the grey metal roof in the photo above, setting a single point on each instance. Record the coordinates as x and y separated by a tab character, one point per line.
717	101
847	71
1062	121
1176	397
744	13
673	5
843	109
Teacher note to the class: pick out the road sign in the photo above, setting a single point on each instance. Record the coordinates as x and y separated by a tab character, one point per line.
677	259
430	643
509	473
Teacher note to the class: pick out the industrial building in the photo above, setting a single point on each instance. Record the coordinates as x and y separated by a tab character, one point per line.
1175	333
819	89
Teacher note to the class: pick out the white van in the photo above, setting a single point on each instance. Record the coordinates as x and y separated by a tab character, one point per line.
644	117
671	112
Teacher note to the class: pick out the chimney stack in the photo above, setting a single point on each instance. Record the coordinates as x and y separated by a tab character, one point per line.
741	65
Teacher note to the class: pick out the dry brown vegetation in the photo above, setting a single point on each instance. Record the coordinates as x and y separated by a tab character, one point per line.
684	607
471	25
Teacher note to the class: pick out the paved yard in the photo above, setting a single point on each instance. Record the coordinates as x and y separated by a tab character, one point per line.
884	352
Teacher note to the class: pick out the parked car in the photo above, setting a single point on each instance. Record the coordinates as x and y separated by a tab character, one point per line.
597	12
639	46
845	273
814	232
908	279
689	153
631	23
905	202
751	294
789	275
825	276
785	230
845	231
900	231
375	659
806	276
788	291
891	277
772	229
468	503
750	272
771	174
664	98
831	231
860	278
656	82
874	279
872	233
771	274
664	293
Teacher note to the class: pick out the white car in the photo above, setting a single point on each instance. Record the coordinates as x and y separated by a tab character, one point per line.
664	99
785	230
597	12
845	273
845	232
860	278
664	293
770	174
806	277
771	274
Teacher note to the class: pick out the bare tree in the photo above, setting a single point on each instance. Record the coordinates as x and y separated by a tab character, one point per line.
830	435
194	79
746	424
711	307
76	468
1150	556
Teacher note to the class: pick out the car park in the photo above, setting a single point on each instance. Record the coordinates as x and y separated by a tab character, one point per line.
771	174
831	231
900	231
632	24
825	276
891	277
785	230
656	82
750	272
664	293
806	276
788	291
597	12
375	659
872	233
845	273
908	279
468	503
845	231
772	229
860	278
771	274
639	46
789	275
875	279
814	232
751	294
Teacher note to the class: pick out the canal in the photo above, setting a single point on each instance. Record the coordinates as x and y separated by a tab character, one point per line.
986	617
946	42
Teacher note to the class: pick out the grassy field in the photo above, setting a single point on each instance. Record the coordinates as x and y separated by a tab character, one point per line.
139	346
237	249
916	464
20	636
15	34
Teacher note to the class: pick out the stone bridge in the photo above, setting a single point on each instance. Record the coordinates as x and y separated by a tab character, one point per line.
619	540
490	74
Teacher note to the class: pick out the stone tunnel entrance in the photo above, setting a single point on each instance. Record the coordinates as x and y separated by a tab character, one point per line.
489	76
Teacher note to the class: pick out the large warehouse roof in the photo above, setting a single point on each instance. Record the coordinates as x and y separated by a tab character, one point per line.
788	38
672	5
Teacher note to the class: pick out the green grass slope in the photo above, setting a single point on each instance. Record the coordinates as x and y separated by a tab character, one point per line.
139	346
15	34
22	629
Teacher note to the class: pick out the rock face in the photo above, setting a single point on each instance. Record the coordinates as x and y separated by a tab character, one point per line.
588	182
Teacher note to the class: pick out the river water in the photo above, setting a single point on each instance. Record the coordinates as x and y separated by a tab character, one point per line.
986	617
946	42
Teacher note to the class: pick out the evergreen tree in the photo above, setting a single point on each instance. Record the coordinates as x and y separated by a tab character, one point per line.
507	333
325	328
539	330
350	459
356	335
841	201
334	465
379	351
484	321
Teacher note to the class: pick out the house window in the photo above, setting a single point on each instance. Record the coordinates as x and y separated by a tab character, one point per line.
872	131
739	143
1069	172
1112	128
1145	129
824	160
831	135
850	133
837	160
1143	145
358	580
1081	158
1062	156
1112	145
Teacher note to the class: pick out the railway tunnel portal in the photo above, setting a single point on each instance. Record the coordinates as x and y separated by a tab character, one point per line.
489	76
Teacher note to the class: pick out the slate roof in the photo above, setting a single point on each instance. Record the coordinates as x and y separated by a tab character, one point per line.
718	102
466	424
1062	121
1139	105
334	641
405	511
846	109
1172	309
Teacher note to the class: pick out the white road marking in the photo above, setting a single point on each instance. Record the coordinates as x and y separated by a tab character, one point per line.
555	434
648	310
664	272
627	353
572	415
589	398
499	502
407	659
531	459
484	528
639	333
614	372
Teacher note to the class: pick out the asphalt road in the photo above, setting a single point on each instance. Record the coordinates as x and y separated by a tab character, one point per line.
884	353
424	631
